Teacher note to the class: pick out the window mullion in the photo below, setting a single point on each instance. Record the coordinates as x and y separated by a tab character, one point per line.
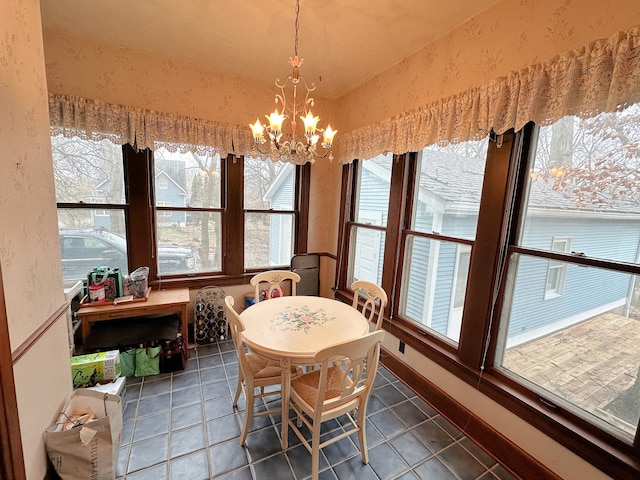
233	261
303	187
140	219
488	249
397	204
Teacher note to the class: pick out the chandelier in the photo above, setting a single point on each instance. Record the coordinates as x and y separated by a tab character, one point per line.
306	148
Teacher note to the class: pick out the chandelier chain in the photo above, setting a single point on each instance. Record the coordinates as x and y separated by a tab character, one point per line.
288	147
297	26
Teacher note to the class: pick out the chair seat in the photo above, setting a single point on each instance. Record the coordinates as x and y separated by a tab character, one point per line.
262	367
306	386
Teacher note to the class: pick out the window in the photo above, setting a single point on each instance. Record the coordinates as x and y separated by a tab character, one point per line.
556	271
99	199
518	273
188	212
191	231
444	215
269	213
90	236
164	213
460	275
577	347
367	231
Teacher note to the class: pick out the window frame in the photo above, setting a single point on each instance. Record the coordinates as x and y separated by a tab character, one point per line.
293	213
98	207
361	224
502	203
140	210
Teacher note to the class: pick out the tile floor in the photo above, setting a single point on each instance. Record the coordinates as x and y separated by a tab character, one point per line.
183	426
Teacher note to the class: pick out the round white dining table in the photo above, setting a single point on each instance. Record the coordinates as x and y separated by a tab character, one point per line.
293	329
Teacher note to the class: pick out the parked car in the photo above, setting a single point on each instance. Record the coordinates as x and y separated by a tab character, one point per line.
83	250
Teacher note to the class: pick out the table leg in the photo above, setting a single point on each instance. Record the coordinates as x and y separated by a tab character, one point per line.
285	364
85	327
185	327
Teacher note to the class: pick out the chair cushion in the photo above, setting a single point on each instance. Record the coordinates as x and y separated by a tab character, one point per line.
262	367
306	386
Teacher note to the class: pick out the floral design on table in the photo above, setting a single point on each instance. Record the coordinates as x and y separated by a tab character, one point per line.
300	319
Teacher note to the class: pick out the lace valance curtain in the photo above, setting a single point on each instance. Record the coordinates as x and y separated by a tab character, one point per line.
95	120
602	76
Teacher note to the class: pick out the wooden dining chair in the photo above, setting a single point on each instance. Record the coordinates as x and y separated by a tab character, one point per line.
336	390
274	278
255	372
373	307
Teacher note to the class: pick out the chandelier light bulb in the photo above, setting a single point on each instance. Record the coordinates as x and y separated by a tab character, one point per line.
257	129
275	122
310	123
328	136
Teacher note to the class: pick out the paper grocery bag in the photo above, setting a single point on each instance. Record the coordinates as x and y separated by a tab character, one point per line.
85	441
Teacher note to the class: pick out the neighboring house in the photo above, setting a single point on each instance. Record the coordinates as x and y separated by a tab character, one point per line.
437	272
279	197
169	194
169	189
100	217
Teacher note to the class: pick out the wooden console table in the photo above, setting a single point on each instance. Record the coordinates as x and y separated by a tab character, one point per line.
159	301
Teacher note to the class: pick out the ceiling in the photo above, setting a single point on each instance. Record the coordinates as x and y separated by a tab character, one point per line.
344	42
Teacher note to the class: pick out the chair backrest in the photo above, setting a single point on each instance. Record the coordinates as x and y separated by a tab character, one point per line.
236	326
357	369
373	308
274	278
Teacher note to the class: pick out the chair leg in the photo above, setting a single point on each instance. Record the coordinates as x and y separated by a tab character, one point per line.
238	390
248	413
315	453
362	437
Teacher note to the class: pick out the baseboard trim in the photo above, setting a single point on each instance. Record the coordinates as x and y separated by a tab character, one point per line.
507	453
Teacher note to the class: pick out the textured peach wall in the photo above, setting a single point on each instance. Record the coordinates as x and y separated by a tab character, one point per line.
506	37
120	75
29	247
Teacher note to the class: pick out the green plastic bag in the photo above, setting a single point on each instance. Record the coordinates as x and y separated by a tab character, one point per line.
147	361
128	362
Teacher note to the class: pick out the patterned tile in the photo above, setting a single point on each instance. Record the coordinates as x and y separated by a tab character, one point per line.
183	425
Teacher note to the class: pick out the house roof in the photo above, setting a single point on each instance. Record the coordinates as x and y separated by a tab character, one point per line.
283	174
174	169
170	178
457	180
571	363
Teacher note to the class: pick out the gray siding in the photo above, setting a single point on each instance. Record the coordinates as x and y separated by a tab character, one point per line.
459	225
174	195
585	289
373	208
281	200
